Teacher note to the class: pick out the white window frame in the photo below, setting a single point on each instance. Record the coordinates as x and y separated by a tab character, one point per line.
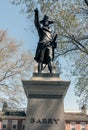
72	125
4	122
23	124
14	122
82	125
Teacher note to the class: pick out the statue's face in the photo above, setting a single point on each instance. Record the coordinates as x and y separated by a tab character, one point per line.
46	23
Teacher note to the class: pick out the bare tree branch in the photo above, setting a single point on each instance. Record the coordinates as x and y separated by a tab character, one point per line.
67	51
86	1
1	84
77	43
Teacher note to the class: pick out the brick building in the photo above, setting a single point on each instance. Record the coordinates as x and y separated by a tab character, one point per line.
15	120
76	121
12	120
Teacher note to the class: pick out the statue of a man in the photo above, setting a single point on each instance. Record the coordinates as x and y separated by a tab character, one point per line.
46	45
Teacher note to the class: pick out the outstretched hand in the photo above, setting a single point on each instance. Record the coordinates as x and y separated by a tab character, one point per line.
36	10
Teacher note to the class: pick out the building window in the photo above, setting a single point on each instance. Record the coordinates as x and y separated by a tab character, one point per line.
14	124
83	125
23	124
83	129
72	126
4	124
23	127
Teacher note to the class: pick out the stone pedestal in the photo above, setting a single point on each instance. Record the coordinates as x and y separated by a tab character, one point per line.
45	110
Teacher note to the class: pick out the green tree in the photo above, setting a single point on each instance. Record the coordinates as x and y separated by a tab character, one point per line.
72	28
15	65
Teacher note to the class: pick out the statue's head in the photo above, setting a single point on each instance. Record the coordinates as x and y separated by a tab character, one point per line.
45	22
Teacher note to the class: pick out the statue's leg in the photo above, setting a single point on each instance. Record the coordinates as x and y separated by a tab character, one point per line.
49	58
40	64
50	67
39	67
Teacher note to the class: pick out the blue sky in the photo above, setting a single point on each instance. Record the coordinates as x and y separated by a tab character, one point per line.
15	23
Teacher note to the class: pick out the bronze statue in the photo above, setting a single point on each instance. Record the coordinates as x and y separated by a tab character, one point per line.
46	45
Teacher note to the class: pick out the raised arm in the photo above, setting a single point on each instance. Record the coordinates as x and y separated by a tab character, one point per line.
36	19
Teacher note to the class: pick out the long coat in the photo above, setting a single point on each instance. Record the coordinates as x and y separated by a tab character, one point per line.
45	43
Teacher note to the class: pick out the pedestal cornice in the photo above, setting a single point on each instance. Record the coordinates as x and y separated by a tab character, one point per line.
45	86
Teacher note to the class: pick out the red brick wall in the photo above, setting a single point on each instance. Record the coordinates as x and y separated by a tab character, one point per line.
87	126
78	126
67	126
9	124
0	124
19	125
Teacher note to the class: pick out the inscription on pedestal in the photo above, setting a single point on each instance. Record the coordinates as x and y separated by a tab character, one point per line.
45	110
44	121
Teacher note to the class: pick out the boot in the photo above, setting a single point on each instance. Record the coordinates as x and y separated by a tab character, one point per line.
39	67
50	67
